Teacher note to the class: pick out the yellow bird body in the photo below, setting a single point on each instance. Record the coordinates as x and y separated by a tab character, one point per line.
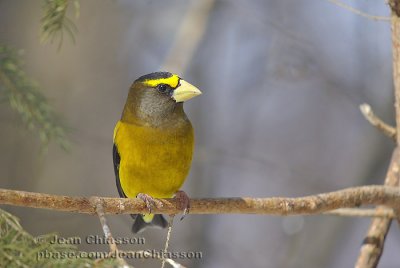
154	161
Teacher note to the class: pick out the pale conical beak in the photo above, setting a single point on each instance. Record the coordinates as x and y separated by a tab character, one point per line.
185	92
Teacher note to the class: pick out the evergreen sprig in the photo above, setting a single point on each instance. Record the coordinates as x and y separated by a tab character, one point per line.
25	97
55	21
20	249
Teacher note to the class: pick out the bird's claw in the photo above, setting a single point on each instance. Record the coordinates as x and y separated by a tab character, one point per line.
149	200
183	202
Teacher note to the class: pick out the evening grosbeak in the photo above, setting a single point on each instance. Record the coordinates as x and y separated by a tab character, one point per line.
153	143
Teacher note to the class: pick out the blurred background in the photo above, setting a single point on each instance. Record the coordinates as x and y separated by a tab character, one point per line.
282	82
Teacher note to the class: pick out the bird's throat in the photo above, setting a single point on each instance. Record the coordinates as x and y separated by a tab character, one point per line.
154	115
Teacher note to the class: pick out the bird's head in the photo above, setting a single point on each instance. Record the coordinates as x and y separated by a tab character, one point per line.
155	96
166	85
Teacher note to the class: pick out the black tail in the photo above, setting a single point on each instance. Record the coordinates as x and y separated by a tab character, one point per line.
139	224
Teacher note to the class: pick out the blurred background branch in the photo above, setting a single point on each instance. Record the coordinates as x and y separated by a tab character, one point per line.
359	12
188	36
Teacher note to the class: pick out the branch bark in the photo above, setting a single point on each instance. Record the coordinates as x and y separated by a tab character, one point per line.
313	204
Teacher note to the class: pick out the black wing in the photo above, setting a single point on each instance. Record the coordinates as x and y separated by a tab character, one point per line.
117	160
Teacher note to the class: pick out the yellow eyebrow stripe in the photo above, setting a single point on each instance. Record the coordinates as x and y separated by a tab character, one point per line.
172	81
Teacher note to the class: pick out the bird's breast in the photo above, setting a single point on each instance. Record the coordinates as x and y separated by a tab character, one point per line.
154	161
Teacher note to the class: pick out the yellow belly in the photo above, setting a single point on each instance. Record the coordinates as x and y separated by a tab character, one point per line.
154	161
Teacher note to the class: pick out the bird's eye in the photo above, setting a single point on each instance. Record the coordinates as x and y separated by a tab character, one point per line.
162	88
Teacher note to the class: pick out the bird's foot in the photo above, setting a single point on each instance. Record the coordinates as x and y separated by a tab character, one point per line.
149	200
183	202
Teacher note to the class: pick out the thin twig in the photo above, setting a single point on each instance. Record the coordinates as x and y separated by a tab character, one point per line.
313	204
388	130
97	202
170	223
356	212
104	225
359	12
174	264
147	254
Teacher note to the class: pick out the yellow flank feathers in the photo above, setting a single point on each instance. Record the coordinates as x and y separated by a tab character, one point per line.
115	130
172	81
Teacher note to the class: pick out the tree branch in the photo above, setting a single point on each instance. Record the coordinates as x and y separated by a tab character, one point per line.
372	248
313	204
